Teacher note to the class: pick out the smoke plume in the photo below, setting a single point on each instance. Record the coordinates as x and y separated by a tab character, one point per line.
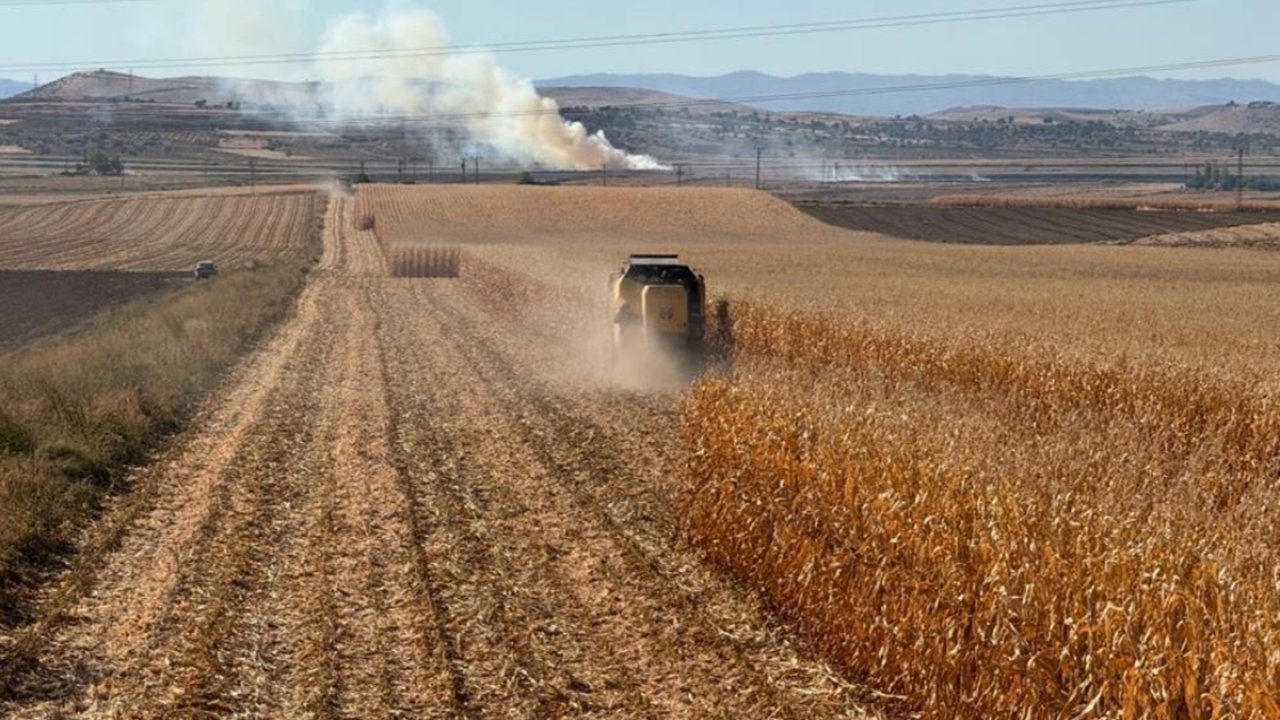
440	95
494	107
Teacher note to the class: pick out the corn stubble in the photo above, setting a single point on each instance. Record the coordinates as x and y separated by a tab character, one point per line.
994	530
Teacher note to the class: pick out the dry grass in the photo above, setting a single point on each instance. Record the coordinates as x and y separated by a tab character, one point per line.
1262	236
75	414
985	528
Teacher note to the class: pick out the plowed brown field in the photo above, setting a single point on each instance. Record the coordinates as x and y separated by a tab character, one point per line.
402	508
155	232
35	304
1026	226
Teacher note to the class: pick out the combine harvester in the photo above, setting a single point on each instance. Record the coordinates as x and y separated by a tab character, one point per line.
659	310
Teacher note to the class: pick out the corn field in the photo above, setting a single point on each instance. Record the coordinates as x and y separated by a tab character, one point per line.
423	261
978	528
985	481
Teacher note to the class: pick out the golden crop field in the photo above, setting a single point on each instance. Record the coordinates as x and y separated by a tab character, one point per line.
158	232
979	478
916	480
1163	306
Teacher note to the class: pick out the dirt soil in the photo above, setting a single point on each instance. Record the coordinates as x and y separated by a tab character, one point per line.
39	303
1022	226
397	510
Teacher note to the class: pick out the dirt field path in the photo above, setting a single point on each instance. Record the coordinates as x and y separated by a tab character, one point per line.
393	513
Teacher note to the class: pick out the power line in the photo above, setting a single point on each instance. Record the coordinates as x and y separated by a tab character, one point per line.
606	41
52	3
852	92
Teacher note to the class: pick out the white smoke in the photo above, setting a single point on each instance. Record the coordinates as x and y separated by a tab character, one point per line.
863	173
494	107
437	93
872	172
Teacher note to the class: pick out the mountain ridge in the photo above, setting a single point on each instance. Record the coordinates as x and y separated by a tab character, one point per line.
9	88
888	96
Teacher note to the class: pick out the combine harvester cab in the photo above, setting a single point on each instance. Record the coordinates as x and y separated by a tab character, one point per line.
659	308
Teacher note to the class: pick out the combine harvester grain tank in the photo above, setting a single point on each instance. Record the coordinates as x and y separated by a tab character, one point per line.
658	305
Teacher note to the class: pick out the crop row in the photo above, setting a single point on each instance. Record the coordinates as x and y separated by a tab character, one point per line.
979	529
159	233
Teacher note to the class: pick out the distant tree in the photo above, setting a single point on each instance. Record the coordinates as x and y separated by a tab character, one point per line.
201	103
103	165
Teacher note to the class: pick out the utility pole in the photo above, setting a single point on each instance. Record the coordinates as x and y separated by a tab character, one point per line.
464	171
759	155
1240	180
679	175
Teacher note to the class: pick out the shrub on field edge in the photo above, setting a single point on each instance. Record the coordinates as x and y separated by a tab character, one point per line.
74	415
14	438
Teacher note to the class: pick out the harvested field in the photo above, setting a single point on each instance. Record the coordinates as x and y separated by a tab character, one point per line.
532	215
1175	306
971	478
36	304
402	508
155	233
1023	226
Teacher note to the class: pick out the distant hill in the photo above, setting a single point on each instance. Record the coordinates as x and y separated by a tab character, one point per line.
881	98
1226	106
596	97
9	88
106	85
109	85
1254	117
1039	116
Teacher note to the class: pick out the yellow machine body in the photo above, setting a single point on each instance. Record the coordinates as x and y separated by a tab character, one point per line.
657	300
665	309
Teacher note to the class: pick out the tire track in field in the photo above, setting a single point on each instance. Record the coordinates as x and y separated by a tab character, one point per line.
687	644
502	558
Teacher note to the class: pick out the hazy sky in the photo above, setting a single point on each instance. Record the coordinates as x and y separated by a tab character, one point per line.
1197	30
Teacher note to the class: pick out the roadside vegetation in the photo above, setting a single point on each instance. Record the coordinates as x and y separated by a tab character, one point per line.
77	413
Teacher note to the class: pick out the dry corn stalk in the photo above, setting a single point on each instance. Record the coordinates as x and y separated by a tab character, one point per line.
990	534
423	261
